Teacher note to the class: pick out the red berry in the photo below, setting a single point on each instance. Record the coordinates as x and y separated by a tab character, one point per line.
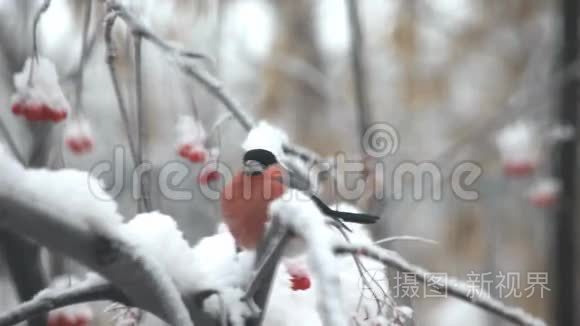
82	320
543	200
184	150
18	108
208	176
86	143
197	156
519	169
46	112
300	282
34	112
75	145
57	115
60	319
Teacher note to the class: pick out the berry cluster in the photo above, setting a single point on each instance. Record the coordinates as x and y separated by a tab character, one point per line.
191	145
520	147
544	193
194	153
38	95
78	137
38	112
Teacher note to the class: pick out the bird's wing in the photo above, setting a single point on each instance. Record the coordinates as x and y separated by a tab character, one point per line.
359	218
295	181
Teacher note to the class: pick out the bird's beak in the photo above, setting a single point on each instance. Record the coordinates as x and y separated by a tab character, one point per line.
253	167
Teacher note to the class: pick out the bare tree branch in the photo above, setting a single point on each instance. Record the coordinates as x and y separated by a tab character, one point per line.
111	55
452	287
358	66
145	200
84	54
268	256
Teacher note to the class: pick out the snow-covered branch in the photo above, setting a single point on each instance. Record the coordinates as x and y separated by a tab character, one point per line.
304	219
452	287
93	289
69	218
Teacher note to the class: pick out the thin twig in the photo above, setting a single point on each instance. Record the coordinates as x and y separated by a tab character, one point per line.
406	238
111	55
358	66
35	23
83	59
145	200
137	28
215	88
452	287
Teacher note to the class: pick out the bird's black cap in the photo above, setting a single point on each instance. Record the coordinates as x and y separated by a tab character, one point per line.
262	156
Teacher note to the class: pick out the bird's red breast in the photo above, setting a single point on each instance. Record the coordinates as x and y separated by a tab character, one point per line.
245	202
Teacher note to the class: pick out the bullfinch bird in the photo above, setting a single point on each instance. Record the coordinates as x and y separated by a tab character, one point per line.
246	198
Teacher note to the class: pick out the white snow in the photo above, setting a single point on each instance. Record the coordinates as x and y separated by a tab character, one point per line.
306	220
288	307
229	301
68	194
545	186
78	128
518	143
190	131
207	265
44	87
214	264
265	136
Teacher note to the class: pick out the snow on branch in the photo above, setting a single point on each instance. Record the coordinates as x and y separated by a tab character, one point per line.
92	289
59	210
304	218
453	287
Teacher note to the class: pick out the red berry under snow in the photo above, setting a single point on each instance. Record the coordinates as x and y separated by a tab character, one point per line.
207	176
38	112
184	150
17	108
300	282
79	145
545	192
195	154
543	200
78	136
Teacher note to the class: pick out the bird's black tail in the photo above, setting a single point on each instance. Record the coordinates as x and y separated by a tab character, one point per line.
359	218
